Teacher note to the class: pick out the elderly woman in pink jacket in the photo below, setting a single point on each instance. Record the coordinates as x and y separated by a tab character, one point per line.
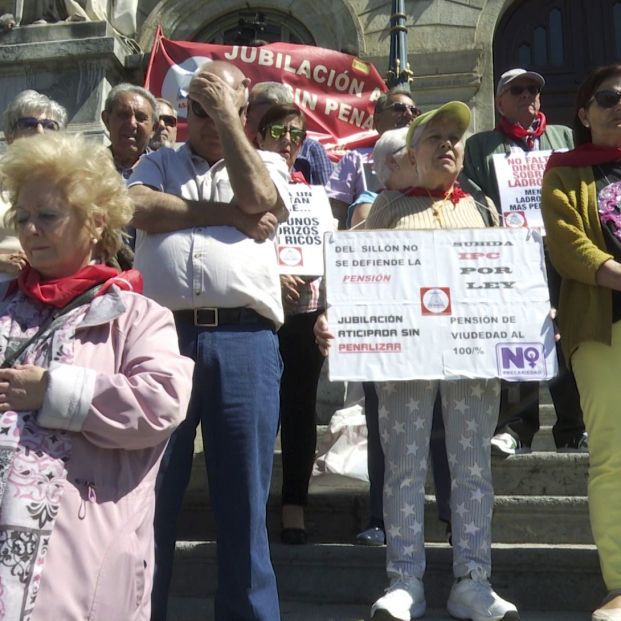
91	386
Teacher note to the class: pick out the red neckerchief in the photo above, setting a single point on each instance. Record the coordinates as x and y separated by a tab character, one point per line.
518	134
455	194
584	155
295	176
58	292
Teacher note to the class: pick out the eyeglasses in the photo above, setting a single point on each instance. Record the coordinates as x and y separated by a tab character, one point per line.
30	122
169	119
607	98
296	134
517	90
400	108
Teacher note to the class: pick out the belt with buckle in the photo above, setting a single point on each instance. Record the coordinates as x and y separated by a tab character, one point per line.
209	317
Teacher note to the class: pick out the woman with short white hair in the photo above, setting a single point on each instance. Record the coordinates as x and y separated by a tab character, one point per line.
91	387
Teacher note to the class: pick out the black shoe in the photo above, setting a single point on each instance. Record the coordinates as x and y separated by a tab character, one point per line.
579	444
372	536
294	536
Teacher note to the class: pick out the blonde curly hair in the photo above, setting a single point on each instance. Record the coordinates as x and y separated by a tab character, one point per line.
83	171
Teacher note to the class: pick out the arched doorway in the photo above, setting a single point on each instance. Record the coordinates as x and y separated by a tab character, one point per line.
562	40
246	26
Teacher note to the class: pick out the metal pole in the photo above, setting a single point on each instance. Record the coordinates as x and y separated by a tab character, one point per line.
398	66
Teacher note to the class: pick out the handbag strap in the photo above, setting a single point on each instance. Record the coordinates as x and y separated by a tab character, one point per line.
85	298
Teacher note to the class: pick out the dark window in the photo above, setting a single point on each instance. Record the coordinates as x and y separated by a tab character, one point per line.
244	27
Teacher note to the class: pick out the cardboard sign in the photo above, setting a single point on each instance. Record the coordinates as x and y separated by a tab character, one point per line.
519	176
299	244
438	305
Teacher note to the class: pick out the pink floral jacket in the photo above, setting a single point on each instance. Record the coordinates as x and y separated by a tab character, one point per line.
118	402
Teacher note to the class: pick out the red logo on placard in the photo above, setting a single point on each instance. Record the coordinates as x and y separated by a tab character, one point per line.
291	256
515	220
435	300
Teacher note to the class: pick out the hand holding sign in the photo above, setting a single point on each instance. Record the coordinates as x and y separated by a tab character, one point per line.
291	286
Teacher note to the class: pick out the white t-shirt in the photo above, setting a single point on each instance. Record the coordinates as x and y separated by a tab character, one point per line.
214	266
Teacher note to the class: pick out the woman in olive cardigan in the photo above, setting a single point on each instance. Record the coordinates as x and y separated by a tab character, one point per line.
581	206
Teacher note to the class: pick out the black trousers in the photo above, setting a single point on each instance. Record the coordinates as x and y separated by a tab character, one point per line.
302	364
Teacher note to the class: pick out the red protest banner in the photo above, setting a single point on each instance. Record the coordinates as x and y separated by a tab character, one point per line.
336	91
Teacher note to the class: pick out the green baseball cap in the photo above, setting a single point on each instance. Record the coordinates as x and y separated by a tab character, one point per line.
453	109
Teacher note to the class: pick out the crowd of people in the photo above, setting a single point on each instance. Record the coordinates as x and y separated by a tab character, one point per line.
142	297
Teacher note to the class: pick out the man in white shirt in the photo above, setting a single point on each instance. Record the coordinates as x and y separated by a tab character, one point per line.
205	215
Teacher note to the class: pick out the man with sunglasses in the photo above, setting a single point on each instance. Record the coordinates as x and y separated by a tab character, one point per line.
165	134
393	109
200	212
522	125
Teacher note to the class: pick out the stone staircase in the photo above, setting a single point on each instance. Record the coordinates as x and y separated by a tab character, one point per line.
543	555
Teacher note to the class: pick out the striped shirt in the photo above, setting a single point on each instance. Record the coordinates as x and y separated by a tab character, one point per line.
394	210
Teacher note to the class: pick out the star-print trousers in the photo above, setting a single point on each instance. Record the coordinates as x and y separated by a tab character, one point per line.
470	412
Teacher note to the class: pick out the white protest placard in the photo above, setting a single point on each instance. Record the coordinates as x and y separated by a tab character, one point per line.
438	305
299	244
519	174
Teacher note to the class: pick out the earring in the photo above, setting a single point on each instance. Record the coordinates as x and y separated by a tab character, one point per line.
586	124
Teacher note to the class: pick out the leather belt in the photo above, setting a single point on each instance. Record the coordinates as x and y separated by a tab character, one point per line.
209	317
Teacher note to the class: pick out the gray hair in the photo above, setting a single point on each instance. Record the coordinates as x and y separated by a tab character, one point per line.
126	87
387	145
270	92
32	103
400	89
160	102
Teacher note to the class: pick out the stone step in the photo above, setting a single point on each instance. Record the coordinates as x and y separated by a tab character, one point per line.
337	518
534	577
197	609
531	474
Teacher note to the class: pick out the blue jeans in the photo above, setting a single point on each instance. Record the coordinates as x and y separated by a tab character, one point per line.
235	397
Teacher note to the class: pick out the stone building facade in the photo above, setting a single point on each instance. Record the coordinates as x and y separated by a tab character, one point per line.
457	48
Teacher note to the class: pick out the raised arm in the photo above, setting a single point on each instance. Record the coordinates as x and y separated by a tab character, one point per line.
254	190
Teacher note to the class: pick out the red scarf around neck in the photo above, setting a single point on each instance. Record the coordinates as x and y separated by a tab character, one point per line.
584	155
455	194
525	136
59	292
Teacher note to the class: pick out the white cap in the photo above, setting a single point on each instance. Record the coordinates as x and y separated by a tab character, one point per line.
508	76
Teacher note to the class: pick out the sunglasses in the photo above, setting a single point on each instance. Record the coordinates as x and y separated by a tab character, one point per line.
296	134
607	99
169	119
400	108
516	90
30	122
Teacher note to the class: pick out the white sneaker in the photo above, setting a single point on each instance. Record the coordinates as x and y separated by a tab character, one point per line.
612	614
473	598
504	444
404	600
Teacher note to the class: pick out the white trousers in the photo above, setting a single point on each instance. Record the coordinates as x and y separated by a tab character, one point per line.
470	413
